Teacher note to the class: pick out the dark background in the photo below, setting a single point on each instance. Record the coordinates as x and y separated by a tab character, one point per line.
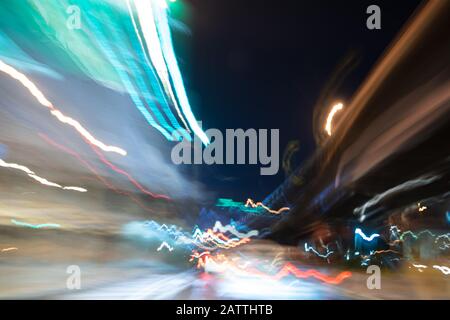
262	64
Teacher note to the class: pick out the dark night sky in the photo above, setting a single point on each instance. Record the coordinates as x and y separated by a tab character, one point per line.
262	64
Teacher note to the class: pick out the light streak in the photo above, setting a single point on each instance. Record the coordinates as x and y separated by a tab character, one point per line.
15	166
210	240
383	251
337	107
165	245
289	268
250	206
155	84
165	37
92	169
156	32
277	260
228	228
220	263
394	232
149	30
444	237
35	226
197	243
325	256
251	203
32	88
126	174
365	259
406	186
75	189
347	255
229	203
370	238
442	241
10	249
171	229
125	79
421	208
202	258
445	270
27	83
44	181
219	239
41	180
196	255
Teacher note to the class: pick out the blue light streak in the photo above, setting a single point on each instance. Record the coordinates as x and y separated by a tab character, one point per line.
361	233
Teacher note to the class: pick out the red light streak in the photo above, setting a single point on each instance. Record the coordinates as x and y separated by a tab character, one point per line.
126	174
92	169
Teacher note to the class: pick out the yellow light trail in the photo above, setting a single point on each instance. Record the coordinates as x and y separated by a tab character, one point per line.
337	107
41	180
35	92
10	249
251	203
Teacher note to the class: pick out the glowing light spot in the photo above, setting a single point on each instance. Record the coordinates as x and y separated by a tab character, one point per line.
421	208
337	107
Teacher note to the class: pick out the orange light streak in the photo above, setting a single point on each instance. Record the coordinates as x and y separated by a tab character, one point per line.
251	203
